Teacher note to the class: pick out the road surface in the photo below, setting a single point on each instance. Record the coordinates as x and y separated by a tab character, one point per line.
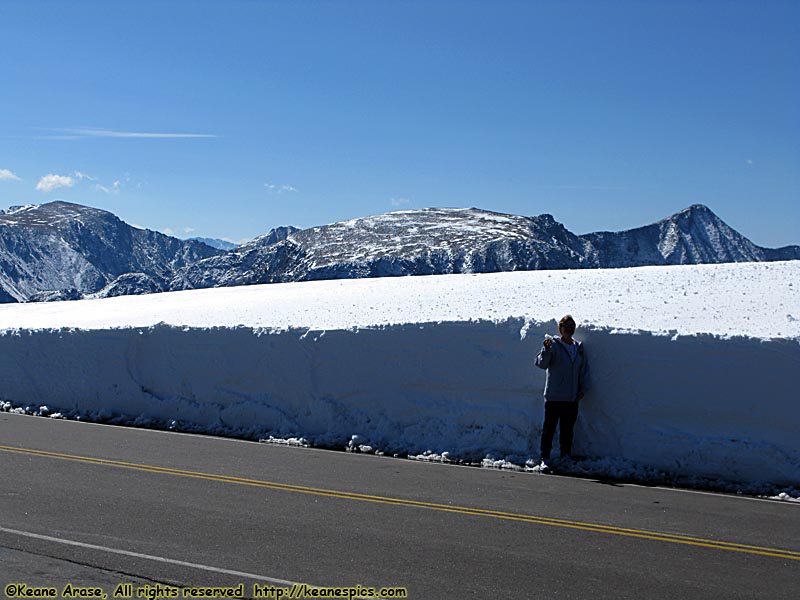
95	505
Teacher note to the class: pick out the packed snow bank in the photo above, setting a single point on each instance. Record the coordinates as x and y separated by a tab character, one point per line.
753	299
329	360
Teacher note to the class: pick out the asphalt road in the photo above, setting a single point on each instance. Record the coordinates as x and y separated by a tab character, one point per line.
100	505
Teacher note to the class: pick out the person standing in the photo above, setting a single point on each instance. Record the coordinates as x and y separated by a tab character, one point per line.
567	381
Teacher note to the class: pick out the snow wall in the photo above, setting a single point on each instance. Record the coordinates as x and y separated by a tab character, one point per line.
705	406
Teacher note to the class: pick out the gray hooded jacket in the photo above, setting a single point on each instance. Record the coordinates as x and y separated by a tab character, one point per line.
565	377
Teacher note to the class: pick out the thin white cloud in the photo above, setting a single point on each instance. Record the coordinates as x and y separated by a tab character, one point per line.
109	133
114	189
274	188
188	229
81	176
6	175
167	231
399	201
50	182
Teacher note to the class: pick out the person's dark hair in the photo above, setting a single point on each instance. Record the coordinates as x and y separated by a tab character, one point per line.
566	320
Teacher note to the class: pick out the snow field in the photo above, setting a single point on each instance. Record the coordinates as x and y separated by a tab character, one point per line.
760	300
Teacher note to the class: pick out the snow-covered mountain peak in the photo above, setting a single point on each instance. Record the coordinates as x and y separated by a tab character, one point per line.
697	208
695	214
273	236
697	230
62	250
417	231
54	214
13	210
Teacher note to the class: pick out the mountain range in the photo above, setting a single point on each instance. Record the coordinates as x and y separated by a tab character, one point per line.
64	251
61	251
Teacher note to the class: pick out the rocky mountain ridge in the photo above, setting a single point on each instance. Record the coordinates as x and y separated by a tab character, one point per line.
448	240
61	251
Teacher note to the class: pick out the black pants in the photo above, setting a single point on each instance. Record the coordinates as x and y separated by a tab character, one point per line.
555	412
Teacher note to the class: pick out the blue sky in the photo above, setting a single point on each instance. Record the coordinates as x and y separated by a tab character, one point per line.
225	119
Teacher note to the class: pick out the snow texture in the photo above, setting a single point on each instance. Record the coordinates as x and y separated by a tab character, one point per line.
691	366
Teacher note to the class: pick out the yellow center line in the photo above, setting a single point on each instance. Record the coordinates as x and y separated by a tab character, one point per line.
463	510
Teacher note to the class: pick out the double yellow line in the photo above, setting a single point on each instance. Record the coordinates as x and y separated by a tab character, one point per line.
462	510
